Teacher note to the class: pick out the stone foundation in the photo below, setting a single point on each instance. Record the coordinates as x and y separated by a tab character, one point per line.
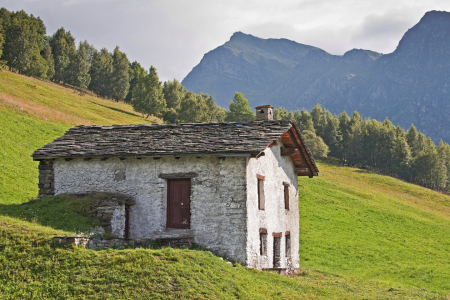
101	243
46	178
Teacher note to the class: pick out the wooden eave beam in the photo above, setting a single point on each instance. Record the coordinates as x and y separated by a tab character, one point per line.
289	151
302	172
296	140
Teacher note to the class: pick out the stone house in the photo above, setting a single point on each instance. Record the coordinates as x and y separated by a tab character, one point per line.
231	186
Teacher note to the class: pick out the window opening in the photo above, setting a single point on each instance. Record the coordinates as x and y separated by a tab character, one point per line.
261	196
288	245
262	241
286	195
127	222
276	252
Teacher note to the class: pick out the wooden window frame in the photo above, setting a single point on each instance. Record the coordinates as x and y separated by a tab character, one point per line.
286	195
263	242
287	244
261	195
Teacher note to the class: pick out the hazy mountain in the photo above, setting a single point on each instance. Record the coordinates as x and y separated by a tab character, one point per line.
409	85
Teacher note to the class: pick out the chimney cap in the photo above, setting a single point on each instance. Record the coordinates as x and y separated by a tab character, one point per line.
264	106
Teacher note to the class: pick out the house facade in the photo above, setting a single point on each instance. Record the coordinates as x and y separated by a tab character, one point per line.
231	186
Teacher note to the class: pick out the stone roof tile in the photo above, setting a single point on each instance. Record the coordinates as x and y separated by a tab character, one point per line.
167	139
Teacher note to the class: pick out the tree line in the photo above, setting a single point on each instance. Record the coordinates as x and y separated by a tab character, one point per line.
25	48
368	143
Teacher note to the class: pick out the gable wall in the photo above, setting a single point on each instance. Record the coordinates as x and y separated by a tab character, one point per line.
274	218
218	195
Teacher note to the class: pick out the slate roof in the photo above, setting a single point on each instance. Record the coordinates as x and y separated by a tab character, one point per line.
232	138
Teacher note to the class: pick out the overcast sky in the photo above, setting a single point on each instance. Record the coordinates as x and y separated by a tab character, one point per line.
173	35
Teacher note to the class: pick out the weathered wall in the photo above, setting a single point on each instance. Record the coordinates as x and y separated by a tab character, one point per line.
275	218
218	195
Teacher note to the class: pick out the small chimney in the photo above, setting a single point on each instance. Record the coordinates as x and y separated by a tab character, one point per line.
264	112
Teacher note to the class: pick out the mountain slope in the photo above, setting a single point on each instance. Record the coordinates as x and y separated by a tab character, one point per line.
410	85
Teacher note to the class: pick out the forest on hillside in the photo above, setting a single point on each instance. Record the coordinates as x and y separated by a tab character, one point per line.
26	48
370	144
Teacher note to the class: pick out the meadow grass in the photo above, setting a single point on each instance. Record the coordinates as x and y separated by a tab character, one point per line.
49	101
362	235
370	226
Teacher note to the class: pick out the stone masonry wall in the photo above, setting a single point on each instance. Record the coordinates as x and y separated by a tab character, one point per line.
274	218
218	195
109	211
46	178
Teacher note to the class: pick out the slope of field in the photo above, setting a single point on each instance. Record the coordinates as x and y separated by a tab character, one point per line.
362	235
33	113
370	226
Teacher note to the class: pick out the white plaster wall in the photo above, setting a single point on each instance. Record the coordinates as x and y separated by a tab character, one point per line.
275	218
218	195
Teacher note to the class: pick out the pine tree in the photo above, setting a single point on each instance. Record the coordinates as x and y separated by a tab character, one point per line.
280	114
148	97
134	71
90	52
78	69
319	121
304	120
239	109
2	38
63	48
119	81
23	42
100	72
345	132
48	56
331	135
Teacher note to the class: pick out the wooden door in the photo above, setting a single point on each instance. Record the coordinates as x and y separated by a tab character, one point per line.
179	203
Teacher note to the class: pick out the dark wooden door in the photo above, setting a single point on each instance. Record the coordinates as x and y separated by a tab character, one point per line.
179	203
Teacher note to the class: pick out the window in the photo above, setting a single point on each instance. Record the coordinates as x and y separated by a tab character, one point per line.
286	195
262	241
287	240
261	197
276	249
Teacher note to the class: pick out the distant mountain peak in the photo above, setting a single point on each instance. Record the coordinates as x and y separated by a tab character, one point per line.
409	85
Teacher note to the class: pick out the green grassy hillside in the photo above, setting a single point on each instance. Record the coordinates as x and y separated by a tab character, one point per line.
362	235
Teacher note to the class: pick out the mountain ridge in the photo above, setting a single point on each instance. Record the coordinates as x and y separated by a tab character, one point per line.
409	85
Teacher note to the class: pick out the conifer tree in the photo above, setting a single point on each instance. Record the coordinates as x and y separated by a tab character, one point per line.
63	47
304	120
134	71
239	109
280	114
2	39
48	56
78	69
100	72
90	52
119	81
148	97
331	135
23	42
345	132
317	115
